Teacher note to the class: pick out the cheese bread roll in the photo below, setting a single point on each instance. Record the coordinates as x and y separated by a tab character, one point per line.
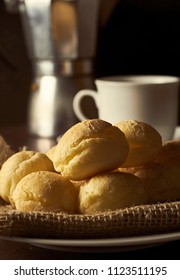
45	191
144	141
111	191
19	165
88	148
161	181
170	153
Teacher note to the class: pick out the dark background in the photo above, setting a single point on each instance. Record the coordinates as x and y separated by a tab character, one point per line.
140	37
15	70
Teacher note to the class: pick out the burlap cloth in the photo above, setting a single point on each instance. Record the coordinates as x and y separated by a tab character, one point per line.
139	220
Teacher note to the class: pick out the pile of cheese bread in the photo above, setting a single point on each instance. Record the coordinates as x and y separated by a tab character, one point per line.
95	167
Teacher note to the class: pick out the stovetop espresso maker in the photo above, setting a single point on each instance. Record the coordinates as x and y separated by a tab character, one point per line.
61	41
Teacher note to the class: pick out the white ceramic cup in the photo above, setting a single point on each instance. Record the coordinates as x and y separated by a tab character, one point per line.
152	99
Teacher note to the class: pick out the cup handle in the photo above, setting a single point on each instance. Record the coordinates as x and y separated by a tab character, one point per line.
77	102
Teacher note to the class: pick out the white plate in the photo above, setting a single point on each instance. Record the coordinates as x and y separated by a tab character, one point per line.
99	245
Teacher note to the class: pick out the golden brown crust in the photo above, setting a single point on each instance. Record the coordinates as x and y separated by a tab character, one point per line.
19	165
50	152
144	142
45	191
88	148
161	181
111	191
170	153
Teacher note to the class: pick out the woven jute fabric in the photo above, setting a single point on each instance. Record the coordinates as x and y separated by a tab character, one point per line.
139	220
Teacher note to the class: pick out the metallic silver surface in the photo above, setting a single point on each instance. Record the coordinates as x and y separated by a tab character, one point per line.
50	107
36	17
61	41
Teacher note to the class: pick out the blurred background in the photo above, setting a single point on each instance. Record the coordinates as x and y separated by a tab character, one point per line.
126	37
